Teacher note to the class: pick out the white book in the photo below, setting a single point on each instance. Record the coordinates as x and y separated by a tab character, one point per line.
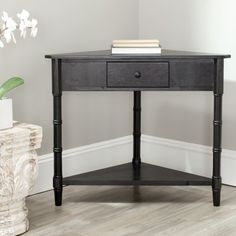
137	41
136	45
156	50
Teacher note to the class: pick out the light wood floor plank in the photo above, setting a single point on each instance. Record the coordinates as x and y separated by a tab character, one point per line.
129	211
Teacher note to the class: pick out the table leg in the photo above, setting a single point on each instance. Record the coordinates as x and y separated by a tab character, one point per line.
57	122
137	129
216	179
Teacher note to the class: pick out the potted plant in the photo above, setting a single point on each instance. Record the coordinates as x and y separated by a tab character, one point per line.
7	35
6	116
18	158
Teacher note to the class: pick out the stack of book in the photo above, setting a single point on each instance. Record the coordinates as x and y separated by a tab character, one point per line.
136	47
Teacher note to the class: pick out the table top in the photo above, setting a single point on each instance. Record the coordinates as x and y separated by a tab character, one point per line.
106	55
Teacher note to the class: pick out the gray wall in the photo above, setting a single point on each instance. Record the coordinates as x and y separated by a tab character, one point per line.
77	25
195	25
67	26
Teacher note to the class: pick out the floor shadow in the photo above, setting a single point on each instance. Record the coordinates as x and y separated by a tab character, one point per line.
144	194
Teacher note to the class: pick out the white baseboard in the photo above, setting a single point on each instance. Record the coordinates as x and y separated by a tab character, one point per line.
189	157
85	158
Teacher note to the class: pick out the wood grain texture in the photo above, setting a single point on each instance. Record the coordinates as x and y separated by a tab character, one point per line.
198	74
106	55
143	174
101	71
80	74
172	70
128	211
139	74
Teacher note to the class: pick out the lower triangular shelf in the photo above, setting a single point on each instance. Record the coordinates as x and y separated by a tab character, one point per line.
126	174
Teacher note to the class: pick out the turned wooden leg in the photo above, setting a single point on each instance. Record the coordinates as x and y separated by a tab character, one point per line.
216	179
137	129
57	122
217	130
57	178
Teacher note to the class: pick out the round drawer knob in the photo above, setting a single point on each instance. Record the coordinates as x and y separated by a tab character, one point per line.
137	74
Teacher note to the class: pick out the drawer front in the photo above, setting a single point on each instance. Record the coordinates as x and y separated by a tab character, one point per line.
83	75
195	74
138	74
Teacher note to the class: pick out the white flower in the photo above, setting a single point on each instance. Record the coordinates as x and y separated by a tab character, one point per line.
7	35
8	28
23	29
9	23
5	17
1	44
24	22
34	29
24	15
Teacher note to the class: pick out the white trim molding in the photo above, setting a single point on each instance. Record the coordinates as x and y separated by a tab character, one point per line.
178	155
83	159
188	157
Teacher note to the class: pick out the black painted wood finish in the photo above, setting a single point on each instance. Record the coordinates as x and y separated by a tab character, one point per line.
126	174
138	74
57	122
137	129
217	130
170	71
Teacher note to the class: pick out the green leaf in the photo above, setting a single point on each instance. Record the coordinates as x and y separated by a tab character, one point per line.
9	85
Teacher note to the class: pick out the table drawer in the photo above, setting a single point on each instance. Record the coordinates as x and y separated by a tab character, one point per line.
138	74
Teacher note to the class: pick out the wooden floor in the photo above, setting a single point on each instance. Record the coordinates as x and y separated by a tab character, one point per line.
126	211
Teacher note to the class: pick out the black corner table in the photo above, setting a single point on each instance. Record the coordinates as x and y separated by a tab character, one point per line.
170	71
